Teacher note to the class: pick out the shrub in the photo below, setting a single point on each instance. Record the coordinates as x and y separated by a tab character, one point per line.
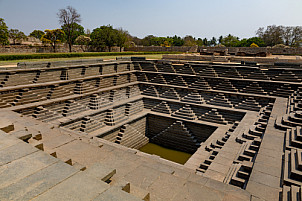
254	45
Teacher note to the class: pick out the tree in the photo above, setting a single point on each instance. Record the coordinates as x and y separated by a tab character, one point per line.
83	41
199	42
247	42
189	41
3	33
205	42
122	38
220	39
69	18
272	35
15	35
53	37
177	41
37	34
104	36
77	31
213	41
292	36
148	40
230	41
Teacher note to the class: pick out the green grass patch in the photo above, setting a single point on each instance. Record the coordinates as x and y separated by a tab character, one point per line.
10	57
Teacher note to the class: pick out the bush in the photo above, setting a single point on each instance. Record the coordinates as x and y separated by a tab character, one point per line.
254	45
8	57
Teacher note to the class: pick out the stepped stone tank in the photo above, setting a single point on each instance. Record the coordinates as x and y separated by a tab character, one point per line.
76	128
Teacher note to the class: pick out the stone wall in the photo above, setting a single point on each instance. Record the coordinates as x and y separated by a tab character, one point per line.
47	49
163	49
211	50
250	50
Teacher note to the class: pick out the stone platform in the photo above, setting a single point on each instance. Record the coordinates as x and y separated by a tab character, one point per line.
72	132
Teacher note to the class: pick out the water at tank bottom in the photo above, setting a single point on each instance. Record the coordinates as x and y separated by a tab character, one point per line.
166	153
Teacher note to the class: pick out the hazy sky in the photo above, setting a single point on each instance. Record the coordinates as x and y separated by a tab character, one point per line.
198	18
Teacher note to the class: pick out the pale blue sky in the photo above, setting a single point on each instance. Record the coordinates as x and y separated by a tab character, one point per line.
198	18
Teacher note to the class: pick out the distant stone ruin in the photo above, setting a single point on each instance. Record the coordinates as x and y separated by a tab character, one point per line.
76	127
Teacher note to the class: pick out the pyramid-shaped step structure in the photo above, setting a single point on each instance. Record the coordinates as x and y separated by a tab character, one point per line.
163	107
131	137
220	100
165	67
185	113
132	91
208	71
213	116
118	95
284	90
72	107
151	91
201	83
186	69
179	81
142	77
193	97
89	125
159	79
96	102
178	137
249	104
253	88
170	94
288	76
44	114
224	85
115	116
134	107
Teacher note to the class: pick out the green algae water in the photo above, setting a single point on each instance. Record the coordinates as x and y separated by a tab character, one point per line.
169	154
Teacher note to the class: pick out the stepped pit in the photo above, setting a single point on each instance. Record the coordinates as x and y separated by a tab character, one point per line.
72	130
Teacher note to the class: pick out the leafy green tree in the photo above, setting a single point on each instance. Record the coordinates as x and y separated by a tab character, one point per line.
53	37
15	35
189	41
69	19
199	42
37	34
205	42
177	41
230	41
220	39
121	38
104	36
3	33
247	42
74	33
83	41
148	40
213	41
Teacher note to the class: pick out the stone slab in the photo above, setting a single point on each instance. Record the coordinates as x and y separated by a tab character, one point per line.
15	152
23	167
37	183
77	187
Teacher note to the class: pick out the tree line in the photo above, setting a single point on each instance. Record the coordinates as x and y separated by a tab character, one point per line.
105	37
